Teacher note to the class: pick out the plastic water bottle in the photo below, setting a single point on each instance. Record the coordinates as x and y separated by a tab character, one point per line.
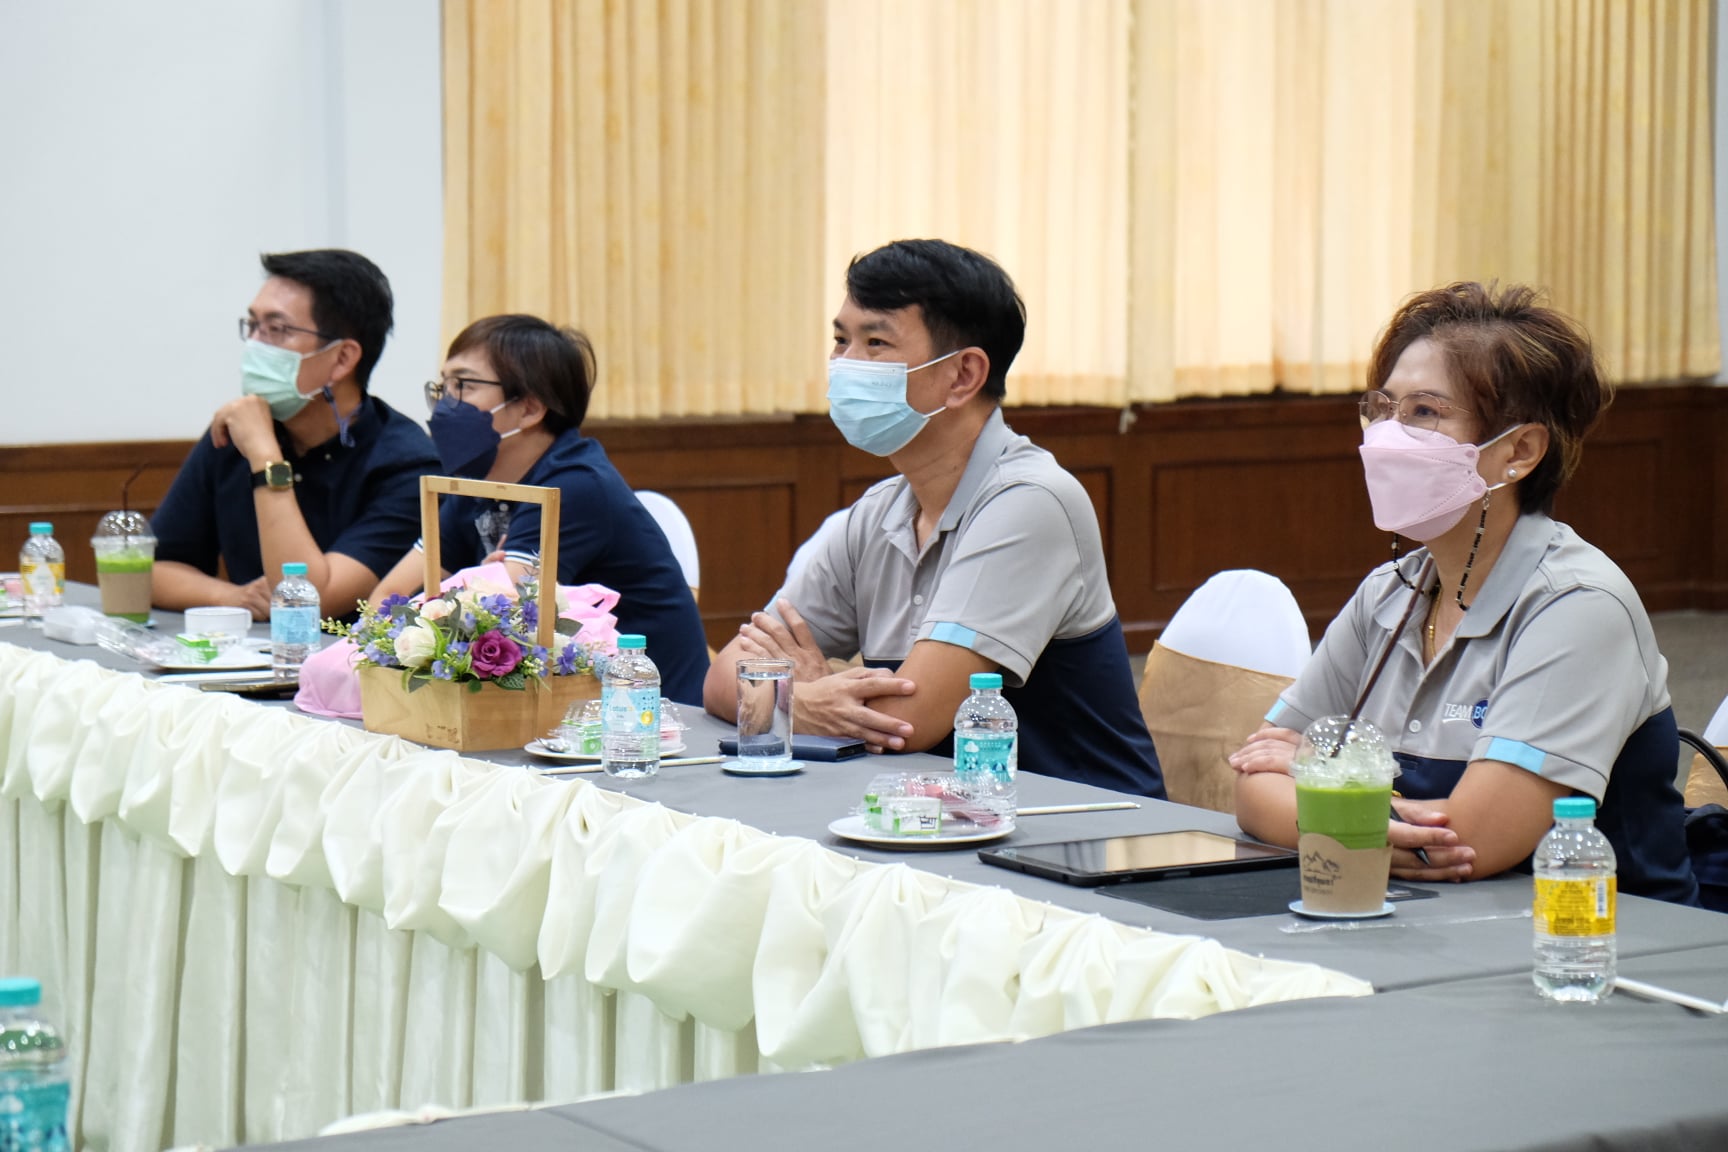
34	1089
1575	897
293	622
42	571
987	746
630	712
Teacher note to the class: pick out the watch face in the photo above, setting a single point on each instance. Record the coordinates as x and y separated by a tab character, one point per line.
279	475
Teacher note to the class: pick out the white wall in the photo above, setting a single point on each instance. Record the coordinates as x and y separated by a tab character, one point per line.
150	151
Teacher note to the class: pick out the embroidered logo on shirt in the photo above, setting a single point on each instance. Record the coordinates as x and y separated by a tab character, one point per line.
1475	713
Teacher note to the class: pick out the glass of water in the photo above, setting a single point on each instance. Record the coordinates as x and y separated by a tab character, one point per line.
764	714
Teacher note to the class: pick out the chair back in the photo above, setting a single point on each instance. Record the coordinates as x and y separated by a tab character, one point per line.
1245	619
678	534
1707	780
1236	643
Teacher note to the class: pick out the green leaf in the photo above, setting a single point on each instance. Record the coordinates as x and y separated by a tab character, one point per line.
513	681
567	627
412	683
475	685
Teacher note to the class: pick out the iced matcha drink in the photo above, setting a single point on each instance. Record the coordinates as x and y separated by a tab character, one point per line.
123	573
1354	814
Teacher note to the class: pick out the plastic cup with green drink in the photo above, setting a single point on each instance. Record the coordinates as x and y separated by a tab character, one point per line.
1344	771
125	561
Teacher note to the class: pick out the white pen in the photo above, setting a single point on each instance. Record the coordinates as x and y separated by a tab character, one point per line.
1060	809
1652	992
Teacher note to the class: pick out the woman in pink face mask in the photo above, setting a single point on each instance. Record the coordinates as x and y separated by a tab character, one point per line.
1509	662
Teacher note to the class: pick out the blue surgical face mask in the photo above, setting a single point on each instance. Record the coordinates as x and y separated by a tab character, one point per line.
273	375
867	402
466	441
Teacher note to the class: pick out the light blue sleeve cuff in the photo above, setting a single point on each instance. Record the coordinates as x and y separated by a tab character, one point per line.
1278	709
1516	752
956	634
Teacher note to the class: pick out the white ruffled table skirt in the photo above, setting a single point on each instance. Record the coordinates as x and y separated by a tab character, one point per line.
252	923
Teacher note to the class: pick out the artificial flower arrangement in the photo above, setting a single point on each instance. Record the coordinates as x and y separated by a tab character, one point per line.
473	635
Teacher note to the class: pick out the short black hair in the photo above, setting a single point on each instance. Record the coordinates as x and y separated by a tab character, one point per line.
966	299
530	357
351	299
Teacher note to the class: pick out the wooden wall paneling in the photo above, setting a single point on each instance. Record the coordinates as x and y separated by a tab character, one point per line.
1185	490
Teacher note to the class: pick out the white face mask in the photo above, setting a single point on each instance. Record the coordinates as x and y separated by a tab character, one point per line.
867	402
273	375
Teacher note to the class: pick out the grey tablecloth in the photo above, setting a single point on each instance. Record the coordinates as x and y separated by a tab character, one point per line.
1462	1065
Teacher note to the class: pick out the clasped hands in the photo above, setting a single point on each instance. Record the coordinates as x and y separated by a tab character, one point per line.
827	702
1421	824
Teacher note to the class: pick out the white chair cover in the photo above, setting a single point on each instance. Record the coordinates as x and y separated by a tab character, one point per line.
1717	730
1243	618
678	533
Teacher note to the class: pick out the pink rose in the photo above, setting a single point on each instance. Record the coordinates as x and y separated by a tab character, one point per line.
494	654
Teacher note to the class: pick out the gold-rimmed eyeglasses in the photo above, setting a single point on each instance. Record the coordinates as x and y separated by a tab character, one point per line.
1414	410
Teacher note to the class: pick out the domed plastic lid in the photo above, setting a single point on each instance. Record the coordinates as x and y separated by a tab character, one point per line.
124	524
1574	808
19	992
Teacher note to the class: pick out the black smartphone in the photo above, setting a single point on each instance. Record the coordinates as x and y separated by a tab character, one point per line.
255	689
1149	856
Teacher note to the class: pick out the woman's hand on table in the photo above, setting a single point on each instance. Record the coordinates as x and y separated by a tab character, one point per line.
1268	750
766	638
1423	825
838	705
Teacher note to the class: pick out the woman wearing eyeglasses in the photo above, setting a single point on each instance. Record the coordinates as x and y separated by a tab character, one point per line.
508	406
1519	665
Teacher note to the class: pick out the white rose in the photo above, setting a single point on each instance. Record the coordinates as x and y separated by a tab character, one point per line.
415	645
436	609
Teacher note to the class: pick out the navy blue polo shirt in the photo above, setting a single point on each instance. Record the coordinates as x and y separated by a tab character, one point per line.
605	536
362	501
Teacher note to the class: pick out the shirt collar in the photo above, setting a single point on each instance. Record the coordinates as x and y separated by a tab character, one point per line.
1517	562
993	440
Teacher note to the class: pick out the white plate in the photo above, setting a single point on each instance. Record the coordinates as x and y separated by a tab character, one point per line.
779	768
223	661
535	748
1383	910
854	828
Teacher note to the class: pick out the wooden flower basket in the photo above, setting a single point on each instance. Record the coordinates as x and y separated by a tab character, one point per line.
452	715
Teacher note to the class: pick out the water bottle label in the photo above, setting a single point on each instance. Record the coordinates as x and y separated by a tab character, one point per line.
294	626
1575	907
34	1117
983	752
42	578
632	711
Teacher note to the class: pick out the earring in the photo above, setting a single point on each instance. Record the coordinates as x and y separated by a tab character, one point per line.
1511	472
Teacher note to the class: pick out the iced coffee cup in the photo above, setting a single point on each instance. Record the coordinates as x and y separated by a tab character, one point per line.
1344	772
125	559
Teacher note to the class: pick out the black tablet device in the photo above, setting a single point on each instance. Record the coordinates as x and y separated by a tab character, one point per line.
1149	856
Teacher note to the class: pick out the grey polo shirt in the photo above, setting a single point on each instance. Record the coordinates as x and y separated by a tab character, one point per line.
1554	669
1014	572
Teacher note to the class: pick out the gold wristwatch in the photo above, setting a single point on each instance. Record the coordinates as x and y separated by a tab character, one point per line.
278	476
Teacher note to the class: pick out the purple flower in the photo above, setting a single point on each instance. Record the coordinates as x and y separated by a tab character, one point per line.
460	648
441	671
377	655
395	631
468	622
567	660
391	603
530	615
498	605
494	654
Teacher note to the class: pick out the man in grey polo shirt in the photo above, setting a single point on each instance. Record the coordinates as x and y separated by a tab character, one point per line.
982	555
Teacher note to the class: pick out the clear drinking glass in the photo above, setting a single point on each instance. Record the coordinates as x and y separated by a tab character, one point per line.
764	714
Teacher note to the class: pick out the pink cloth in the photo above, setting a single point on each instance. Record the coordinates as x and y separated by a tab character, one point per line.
329	682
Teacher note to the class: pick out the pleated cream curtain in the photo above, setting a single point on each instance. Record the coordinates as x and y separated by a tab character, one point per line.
1302	165
652	173
1196	198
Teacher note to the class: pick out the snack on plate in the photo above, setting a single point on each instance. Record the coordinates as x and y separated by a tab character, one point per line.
954	803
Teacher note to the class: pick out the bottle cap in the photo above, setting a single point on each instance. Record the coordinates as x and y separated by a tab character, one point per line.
20	992
983	681
41	528
632	642
294	568
1575	808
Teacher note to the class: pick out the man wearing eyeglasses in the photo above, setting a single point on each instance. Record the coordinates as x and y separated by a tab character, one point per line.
304	465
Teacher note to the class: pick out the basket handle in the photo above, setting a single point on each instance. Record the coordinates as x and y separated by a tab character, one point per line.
549	499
